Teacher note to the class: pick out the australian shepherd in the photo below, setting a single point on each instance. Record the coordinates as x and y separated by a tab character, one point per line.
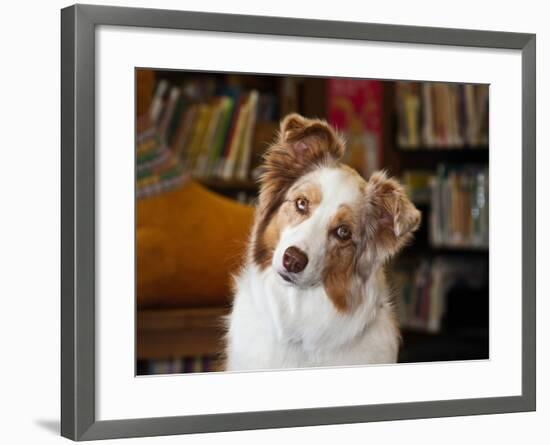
312	291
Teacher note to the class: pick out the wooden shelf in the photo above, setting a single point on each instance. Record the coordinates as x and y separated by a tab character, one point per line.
407	330
429	159
422	248
232	185
443	148
170	333
462	249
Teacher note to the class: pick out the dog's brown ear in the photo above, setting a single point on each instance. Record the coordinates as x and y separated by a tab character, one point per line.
391	216
301	144
310	140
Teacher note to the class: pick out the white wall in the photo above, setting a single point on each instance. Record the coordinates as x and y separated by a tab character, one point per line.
29	219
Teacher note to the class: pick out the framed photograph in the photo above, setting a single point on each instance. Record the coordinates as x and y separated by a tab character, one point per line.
272	222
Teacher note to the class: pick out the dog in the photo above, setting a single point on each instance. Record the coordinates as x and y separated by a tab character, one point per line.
312	291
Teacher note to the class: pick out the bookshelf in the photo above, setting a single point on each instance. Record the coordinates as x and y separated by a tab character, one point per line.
454	338
309	96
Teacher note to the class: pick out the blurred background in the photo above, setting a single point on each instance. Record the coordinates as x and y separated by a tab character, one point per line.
199	141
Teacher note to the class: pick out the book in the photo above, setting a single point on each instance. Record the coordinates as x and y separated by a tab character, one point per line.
224	154
184	131
180	109
158	99
243	167
199	130
427	114
228	105
237	139
168	113
208	138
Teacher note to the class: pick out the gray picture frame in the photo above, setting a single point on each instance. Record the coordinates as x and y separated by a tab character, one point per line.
78	24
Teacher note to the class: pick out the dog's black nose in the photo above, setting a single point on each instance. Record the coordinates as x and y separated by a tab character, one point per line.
294	260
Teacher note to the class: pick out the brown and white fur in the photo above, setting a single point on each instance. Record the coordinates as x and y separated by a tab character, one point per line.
312	291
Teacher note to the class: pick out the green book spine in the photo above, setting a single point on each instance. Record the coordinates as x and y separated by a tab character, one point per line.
221	134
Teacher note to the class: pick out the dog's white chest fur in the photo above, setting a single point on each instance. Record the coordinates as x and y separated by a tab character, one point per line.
275	325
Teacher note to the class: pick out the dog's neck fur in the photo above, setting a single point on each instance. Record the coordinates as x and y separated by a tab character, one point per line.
308	317
291	327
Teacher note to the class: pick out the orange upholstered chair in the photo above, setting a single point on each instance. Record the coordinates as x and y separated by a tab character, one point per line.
189	241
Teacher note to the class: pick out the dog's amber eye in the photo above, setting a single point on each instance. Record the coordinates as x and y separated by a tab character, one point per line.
343	232
302	205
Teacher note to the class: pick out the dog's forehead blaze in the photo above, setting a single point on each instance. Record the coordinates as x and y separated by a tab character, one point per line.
341	184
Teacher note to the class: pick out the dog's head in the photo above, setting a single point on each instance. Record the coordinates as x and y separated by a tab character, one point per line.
318	222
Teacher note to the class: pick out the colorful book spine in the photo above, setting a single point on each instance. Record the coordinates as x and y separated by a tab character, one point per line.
156	107
207	141
243	168
228	105
236	142
169	111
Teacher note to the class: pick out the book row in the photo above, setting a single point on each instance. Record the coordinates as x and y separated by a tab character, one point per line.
209	130
460	207
442	115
